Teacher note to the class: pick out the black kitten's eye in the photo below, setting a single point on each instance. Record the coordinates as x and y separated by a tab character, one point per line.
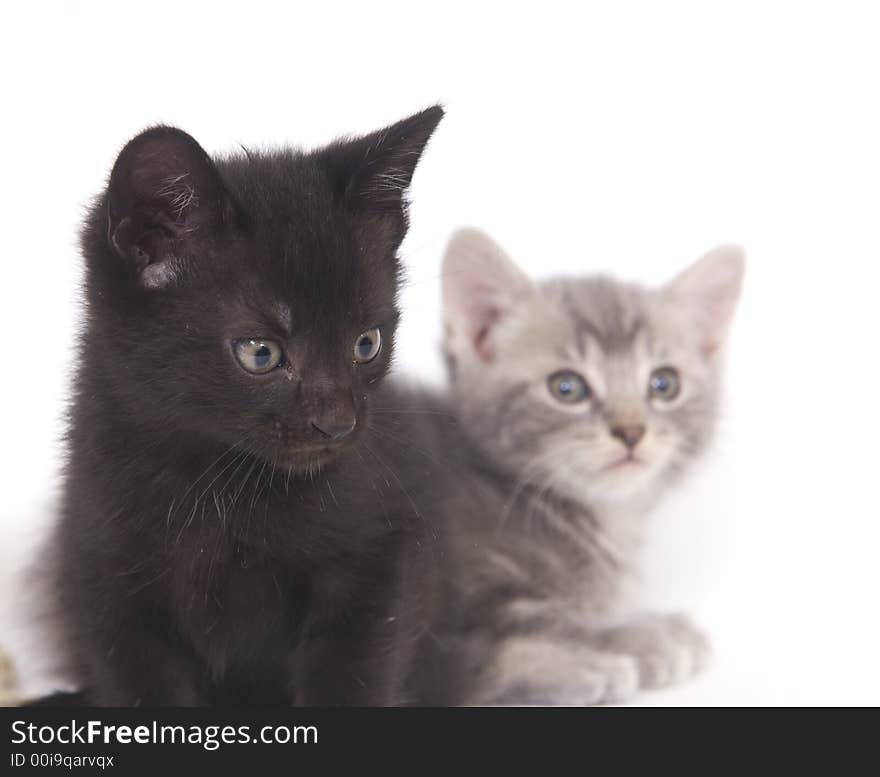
665	383
568	387
367	346
258	356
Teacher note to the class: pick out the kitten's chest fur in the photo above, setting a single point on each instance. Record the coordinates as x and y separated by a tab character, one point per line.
230	602
575	559
238	580
242	595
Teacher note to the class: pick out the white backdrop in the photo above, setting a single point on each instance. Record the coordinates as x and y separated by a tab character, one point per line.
628	137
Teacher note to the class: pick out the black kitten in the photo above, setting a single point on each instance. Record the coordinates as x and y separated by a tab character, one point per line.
222	539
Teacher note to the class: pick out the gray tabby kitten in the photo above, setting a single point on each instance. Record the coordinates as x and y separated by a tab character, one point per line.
583	400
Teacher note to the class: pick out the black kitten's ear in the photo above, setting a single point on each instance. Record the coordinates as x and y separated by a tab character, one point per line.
165	195
372	173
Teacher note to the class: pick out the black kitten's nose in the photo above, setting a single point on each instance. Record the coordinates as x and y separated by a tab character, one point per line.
629	435
335	429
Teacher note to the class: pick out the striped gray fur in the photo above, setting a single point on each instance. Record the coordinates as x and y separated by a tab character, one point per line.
540	527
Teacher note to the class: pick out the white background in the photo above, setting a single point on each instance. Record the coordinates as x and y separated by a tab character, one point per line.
628	137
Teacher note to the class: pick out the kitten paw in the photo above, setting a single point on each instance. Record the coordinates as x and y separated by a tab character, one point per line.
546	672
668	649
616	677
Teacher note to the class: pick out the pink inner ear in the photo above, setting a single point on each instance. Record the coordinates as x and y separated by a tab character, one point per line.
716	314
482	345
710	346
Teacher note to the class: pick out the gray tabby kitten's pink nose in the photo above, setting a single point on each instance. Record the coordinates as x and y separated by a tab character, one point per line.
629	435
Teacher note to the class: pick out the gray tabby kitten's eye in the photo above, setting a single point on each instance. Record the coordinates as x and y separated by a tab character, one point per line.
258	356
569	387
367	346
665	383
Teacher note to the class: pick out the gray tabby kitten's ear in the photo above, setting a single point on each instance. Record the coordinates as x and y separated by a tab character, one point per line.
481	285
709	289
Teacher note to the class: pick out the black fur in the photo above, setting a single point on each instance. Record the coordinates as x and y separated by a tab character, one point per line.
215	547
